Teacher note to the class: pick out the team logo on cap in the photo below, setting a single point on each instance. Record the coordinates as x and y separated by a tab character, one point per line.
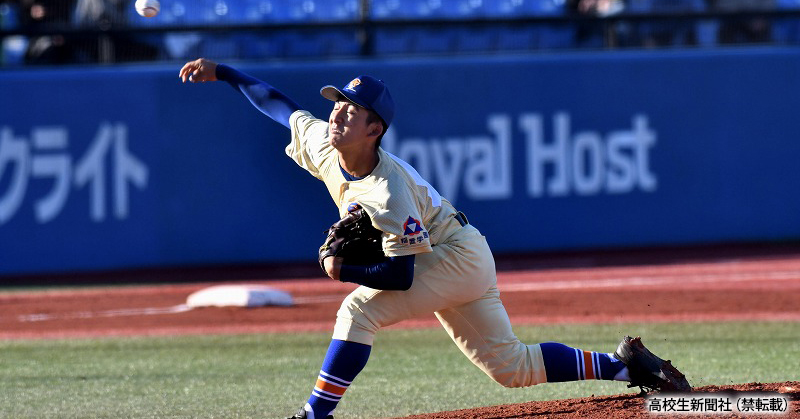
352	85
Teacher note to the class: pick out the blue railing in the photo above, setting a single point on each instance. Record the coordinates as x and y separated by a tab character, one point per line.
323	30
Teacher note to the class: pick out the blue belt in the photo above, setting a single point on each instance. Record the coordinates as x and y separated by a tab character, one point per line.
461	218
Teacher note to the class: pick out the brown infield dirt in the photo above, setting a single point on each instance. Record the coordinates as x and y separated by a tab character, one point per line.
627	405
689	285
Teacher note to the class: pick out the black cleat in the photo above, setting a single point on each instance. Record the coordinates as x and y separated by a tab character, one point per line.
648	371
301	414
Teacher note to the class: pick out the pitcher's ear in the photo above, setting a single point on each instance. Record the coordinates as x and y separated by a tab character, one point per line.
377	129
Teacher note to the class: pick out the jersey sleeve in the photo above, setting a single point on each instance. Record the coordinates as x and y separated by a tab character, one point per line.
309	145
403	231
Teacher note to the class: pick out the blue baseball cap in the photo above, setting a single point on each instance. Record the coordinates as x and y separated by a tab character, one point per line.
367	92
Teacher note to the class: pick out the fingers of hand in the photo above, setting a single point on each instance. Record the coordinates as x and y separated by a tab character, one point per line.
192	71
185	70
198	75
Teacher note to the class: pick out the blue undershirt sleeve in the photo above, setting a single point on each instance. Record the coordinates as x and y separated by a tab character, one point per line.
395	273
267	99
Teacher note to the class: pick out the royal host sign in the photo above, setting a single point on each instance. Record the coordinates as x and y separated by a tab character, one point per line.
561	162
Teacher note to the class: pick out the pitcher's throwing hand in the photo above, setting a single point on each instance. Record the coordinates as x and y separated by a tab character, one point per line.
199	70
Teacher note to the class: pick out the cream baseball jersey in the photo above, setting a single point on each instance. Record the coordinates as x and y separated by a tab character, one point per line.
406	208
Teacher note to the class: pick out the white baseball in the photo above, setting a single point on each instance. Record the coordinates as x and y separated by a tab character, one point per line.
148	8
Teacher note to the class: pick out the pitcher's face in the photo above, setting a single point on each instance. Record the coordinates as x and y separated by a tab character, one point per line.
347	125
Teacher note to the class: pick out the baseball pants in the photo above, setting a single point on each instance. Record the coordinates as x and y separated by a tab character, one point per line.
457	282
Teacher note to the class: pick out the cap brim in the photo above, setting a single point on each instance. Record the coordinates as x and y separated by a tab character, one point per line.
334	94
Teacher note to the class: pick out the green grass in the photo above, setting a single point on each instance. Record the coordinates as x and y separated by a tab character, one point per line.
410	371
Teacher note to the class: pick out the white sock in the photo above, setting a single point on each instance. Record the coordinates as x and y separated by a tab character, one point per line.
623	375
309	411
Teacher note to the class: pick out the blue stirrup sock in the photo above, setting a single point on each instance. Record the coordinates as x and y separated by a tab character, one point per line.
563	363
343	361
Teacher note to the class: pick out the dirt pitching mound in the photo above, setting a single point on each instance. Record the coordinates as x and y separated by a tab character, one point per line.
621	406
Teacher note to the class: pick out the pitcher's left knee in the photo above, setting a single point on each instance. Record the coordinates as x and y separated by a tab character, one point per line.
516	365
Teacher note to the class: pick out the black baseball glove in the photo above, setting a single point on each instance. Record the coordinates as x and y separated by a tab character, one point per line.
354	239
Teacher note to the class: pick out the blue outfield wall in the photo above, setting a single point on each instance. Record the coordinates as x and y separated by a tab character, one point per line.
127	167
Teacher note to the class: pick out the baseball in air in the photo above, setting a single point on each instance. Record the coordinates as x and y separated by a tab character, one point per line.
148	8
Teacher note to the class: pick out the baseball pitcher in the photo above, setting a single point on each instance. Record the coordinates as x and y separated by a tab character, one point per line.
411	252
